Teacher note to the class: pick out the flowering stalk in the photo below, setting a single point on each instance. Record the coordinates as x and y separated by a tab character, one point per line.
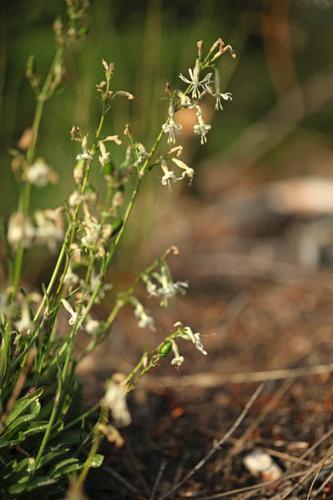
150	360
77	284
24	201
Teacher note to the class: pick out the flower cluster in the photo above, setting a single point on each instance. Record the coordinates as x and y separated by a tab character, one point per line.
203	79
115	401
186	333
144	319
45	228
40	174
97	214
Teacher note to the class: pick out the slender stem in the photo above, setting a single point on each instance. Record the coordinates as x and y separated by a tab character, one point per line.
81	417
132	201
97	436
25	195
116	242
142	367
104	328
70	233
49	426
119	304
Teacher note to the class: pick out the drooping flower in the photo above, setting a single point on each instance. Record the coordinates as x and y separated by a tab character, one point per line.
25	323
187	333
187	171
171	127
201	128
144	320
168	175
86	154
115	400
104	157
227	96
219	96
73	314
177	360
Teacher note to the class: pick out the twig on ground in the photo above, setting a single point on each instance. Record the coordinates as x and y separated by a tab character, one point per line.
121	480
217	445
209	380
158	479
314	469
254	424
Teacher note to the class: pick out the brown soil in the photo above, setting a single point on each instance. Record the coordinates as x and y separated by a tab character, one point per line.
258	309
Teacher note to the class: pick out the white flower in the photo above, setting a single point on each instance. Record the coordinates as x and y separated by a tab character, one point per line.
104	157
227	96
73	315
75	199
71	279
109	69
86	155
202	128
195	338
95	282
185	101
78	172
115	400
177	360
171	127
91	326
49	227
161	285
40	174
25	324
197	86
168	176
20	230
140	153
144	320
187	171
92	233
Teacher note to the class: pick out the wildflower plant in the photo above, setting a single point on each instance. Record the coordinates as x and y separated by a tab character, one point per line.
44	432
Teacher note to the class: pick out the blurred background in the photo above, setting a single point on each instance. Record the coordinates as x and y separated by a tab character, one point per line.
256	227
263	190
262	195
263	184
278	125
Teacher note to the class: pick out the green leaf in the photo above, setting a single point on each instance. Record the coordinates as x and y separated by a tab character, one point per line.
66	467
18	426
24	404
37	482
52	455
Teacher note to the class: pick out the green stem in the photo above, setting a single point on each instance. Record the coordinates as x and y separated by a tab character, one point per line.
105	327
97	436
130	205
117	240
24	201
49	426
70	233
